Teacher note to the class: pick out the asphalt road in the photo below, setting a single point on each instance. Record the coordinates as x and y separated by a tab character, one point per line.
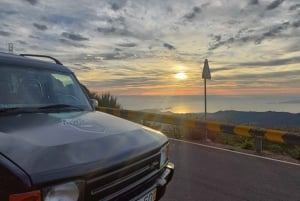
208	174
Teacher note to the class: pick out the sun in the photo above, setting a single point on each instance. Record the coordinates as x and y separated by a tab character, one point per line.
180	76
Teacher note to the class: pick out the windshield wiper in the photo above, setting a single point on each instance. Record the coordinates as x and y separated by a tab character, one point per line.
60	107
48	108
17	110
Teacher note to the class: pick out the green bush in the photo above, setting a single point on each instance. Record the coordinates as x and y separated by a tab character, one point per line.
247	144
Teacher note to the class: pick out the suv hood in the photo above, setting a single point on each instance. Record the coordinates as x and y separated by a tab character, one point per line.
60	145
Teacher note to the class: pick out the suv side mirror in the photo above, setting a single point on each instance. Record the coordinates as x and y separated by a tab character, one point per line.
94	103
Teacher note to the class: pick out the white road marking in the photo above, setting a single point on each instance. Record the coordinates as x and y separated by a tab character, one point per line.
236	152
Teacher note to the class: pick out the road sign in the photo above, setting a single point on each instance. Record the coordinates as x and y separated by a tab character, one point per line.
206	71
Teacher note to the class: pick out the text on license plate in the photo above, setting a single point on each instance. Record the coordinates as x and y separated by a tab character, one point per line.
151	196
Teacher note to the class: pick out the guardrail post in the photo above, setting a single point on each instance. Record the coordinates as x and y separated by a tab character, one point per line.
258	145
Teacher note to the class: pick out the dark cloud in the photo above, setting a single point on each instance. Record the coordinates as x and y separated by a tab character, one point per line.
66	20
70	43
124	32
4	33
7	12
221	69
217	37
227	42
275	62
117	4
117	26
116	56
22	42
115	31
253	2
276	30
127	45
107	30
273	32
168	46
190	16
294	7
296	24
32	2
80	67
74	37
40	26
35	37
274	4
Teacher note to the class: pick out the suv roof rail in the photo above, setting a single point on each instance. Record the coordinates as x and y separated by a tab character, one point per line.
44	56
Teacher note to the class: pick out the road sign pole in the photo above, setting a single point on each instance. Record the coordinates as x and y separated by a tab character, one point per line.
205	106
205	75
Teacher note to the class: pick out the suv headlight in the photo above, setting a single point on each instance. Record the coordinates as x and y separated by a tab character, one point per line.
164	154
66	192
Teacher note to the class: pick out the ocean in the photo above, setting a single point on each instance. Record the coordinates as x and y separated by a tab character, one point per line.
195	104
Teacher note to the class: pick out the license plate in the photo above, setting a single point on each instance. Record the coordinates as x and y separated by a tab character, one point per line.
151	196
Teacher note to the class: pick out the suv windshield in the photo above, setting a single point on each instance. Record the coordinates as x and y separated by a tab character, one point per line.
39	88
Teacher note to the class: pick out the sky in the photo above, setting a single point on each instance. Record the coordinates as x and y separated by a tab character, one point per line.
138	47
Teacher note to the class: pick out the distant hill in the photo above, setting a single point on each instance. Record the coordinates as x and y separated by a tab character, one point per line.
279	120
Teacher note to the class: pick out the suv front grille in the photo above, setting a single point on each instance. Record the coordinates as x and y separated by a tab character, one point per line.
113	184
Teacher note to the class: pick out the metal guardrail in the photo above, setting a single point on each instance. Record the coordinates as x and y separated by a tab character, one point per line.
259	134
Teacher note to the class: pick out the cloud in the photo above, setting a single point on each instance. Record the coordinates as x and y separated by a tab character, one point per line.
276	30
80	67
107	30
272	32
218	37
63	19
32	2
4	33
126	81
70	43
7	12
116	55
177	33
168	46
74	37
40	26
127	44
275	62
296	24
117	4
192	15
218	69
253	2
255	76
274	4
294	7
34	37
116	31
22	42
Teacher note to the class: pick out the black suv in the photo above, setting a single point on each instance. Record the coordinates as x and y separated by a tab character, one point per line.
55	146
